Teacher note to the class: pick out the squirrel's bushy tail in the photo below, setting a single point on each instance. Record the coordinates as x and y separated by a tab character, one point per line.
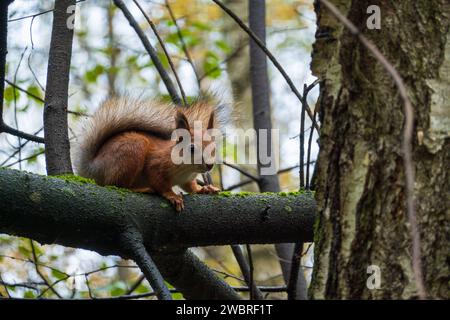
118	115
122	114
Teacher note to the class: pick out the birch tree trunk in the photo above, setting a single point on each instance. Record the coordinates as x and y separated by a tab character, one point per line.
361	184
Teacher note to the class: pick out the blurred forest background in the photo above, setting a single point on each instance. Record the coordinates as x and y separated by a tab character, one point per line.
210	53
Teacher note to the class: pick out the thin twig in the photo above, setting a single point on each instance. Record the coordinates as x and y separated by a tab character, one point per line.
16	121
7	129
183	44
38	271
227	59
245	182
151	51
406	144
247	272
136	284
269	289
26	285
161	42
245	173
251	272
266	51
76	113
5	286
308	156
37	14
306	90
86	278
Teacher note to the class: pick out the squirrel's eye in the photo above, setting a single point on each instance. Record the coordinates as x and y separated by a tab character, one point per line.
192	147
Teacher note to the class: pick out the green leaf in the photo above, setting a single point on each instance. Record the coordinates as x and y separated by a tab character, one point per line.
29	294
9	94
201	26
164	60
117	291
36	91
58	274
142	288
36	152
24	251
94	73
211	65
177	296
223	46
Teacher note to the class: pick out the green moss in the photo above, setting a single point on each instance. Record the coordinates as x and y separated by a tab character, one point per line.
83	180
243	194
164	205
68	191
73	178
122	191
288	209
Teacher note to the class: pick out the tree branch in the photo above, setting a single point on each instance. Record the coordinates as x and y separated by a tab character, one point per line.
263	47
246	272
133	242
73	212
151	51
3	51
166	53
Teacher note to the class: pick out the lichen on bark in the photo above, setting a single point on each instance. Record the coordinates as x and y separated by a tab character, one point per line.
360	187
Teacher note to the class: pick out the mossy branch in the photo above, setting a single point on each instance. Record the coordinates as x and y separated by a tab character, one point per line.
74	212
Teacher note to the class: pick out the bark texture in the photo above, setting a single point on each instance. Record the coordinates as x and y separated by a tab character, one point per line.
83	215
88	216
361	183
57	146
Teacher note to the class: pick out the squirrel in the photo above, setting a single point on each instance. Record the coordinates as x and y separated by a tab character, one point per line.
128	143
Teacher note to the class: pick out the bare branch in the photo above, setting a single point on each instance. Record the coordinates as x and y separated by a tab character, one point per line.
242	171
183	43
3	50
133	242
151	51
161	42
38	271
247	272
263	47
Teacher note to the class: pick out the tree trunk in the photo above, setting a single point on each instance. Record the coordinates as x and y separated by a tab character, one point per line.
361	184
57	146
262	120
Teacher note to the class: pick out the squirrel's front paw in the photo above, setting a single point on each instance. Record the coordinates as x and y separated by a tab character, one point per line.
176	200
209	189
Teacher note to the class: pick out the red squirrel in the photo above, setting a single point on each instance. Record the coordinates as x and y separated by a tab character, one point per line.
127	143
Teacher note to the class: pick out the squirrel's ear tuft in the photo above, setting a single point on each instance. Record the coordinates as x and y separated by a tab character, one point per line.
181	121
211	121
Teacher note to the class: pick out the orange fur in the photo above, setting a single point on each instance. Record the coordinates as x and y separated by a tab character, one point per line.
127	145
